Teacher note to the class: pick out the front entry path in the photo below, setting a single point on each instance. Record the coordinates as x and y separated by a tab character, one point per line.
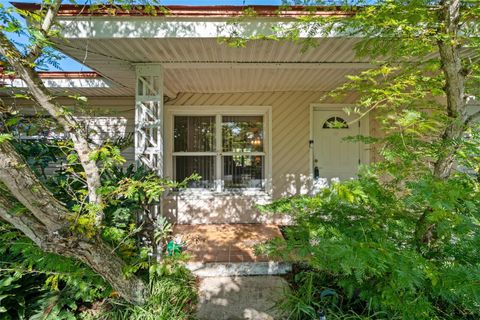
233	298
234	283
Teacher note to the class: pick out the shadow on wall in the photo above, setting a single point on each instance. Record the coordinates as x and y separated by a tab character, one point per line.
103	128
291	184
190	208
240	297
115	129
205	208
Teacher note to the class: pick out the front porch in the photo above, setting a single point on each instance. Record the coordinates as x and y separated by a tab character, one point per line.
247	120
228	249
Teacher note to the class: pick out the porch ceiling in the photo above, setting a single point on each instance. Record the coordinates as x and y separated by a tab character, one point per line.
204	65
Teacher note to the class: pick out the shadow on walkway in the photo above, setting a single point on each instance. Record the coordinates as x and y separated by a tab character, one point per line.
232	298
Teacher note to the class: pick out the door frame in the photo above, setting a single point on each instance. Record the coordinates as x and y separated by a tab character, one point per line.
364	130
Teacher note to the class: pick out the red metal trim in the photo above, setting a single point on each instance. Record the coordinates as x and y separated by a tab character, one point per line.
68	74
196	11
59	75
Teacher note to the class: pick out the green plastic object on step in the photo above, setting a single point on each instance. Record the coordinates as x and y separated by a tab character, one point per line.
174	248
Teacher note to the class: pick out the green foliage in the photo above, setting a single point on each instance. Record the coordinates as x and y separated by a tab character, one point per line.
162	230
127	193
5	137
37	285
310	296
303	301
173	296
398	240
59	288
367	238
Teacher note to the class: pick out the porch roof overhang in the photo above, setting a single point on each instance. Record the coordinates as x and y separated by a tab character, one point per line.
66	83
186	43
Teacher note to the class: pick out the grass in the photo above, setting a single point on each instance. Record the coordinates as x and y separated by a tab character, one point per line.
172	297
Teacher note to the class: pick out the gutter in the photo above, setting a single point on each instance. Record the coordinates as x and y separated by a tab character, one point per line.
220	11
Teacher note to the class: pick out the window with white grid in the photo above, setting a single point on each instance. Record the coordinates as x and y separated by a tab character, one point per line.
228	151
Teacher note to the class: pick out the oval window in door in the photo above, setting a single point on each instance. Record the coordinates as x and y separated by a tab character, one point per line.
335	123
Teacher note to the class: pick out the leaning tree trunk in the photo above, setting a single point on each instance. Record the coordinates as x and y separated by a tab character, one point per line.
47	222
24	69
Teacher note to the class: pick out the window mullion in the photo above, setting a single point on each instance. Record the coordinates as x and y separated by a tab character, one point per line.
218	148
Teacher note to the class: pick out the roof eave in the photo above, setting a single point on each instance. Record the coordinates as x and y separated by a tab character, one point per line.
223	11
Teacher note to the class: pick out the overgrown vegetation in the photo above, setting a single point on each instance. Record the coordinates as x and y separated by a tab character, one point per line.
39	285
361	239
402	240
80	237
35	285
172	296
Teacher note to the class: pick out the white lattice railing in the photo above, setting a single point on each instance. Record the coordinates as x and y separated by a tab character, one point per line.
149	117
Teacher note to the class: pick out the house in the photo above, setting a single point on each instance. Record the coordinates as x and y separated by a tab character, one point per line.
249	120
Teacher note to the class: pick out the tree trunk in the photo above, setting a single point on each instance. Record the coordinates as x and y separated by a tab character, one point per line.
47	222
449	49
42	96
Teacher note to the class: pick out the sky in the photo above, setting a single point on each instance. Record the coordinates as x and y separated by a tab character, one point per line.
68	64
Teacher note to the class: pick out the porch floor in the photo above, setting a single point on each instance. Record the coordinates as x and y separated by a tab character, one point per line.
225	243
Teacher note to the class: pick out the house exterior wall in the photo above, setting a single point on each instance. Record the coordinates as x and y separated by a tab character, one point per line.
290	131
111	117
290	158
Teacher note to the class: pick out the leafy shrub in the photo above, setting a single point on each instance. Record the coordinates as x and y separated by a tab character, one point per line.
34	284
412	254
39	285
173	296
311	295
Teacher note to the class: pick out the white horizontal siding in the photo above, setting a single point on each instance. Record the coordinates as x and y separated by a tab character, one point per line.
110	118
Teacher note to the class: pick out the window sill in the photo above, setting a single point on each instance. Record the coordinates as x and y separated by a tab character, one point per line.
250	193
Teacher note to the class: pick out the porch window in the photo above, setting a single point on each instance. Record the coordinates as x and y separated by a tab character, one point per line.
194	149
227	151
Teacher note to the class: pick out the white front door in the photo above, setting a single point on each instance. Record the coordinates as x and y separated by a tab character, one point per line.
334	158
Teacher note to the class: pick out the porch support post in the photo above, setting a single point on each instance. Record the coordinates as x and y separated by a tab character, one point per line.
149	141
149	117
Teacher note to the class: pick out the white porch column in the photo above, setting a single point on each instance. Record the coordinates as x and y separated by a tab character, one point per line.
149	116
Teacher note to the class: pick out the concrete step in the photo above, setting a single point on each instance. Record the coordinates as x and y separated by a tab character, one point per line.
229	269
234	298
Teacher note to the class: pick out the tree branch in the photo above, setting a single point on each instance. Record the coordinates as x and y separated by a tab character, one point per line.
46	221
26	188
47	24
25	222
43	97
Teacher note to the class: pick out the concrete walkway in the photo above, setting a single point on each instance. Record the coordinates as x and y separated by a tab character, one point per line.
246	297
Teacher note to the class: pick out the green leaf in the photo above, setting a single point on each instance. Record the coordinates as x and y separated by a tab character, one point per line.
4	137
